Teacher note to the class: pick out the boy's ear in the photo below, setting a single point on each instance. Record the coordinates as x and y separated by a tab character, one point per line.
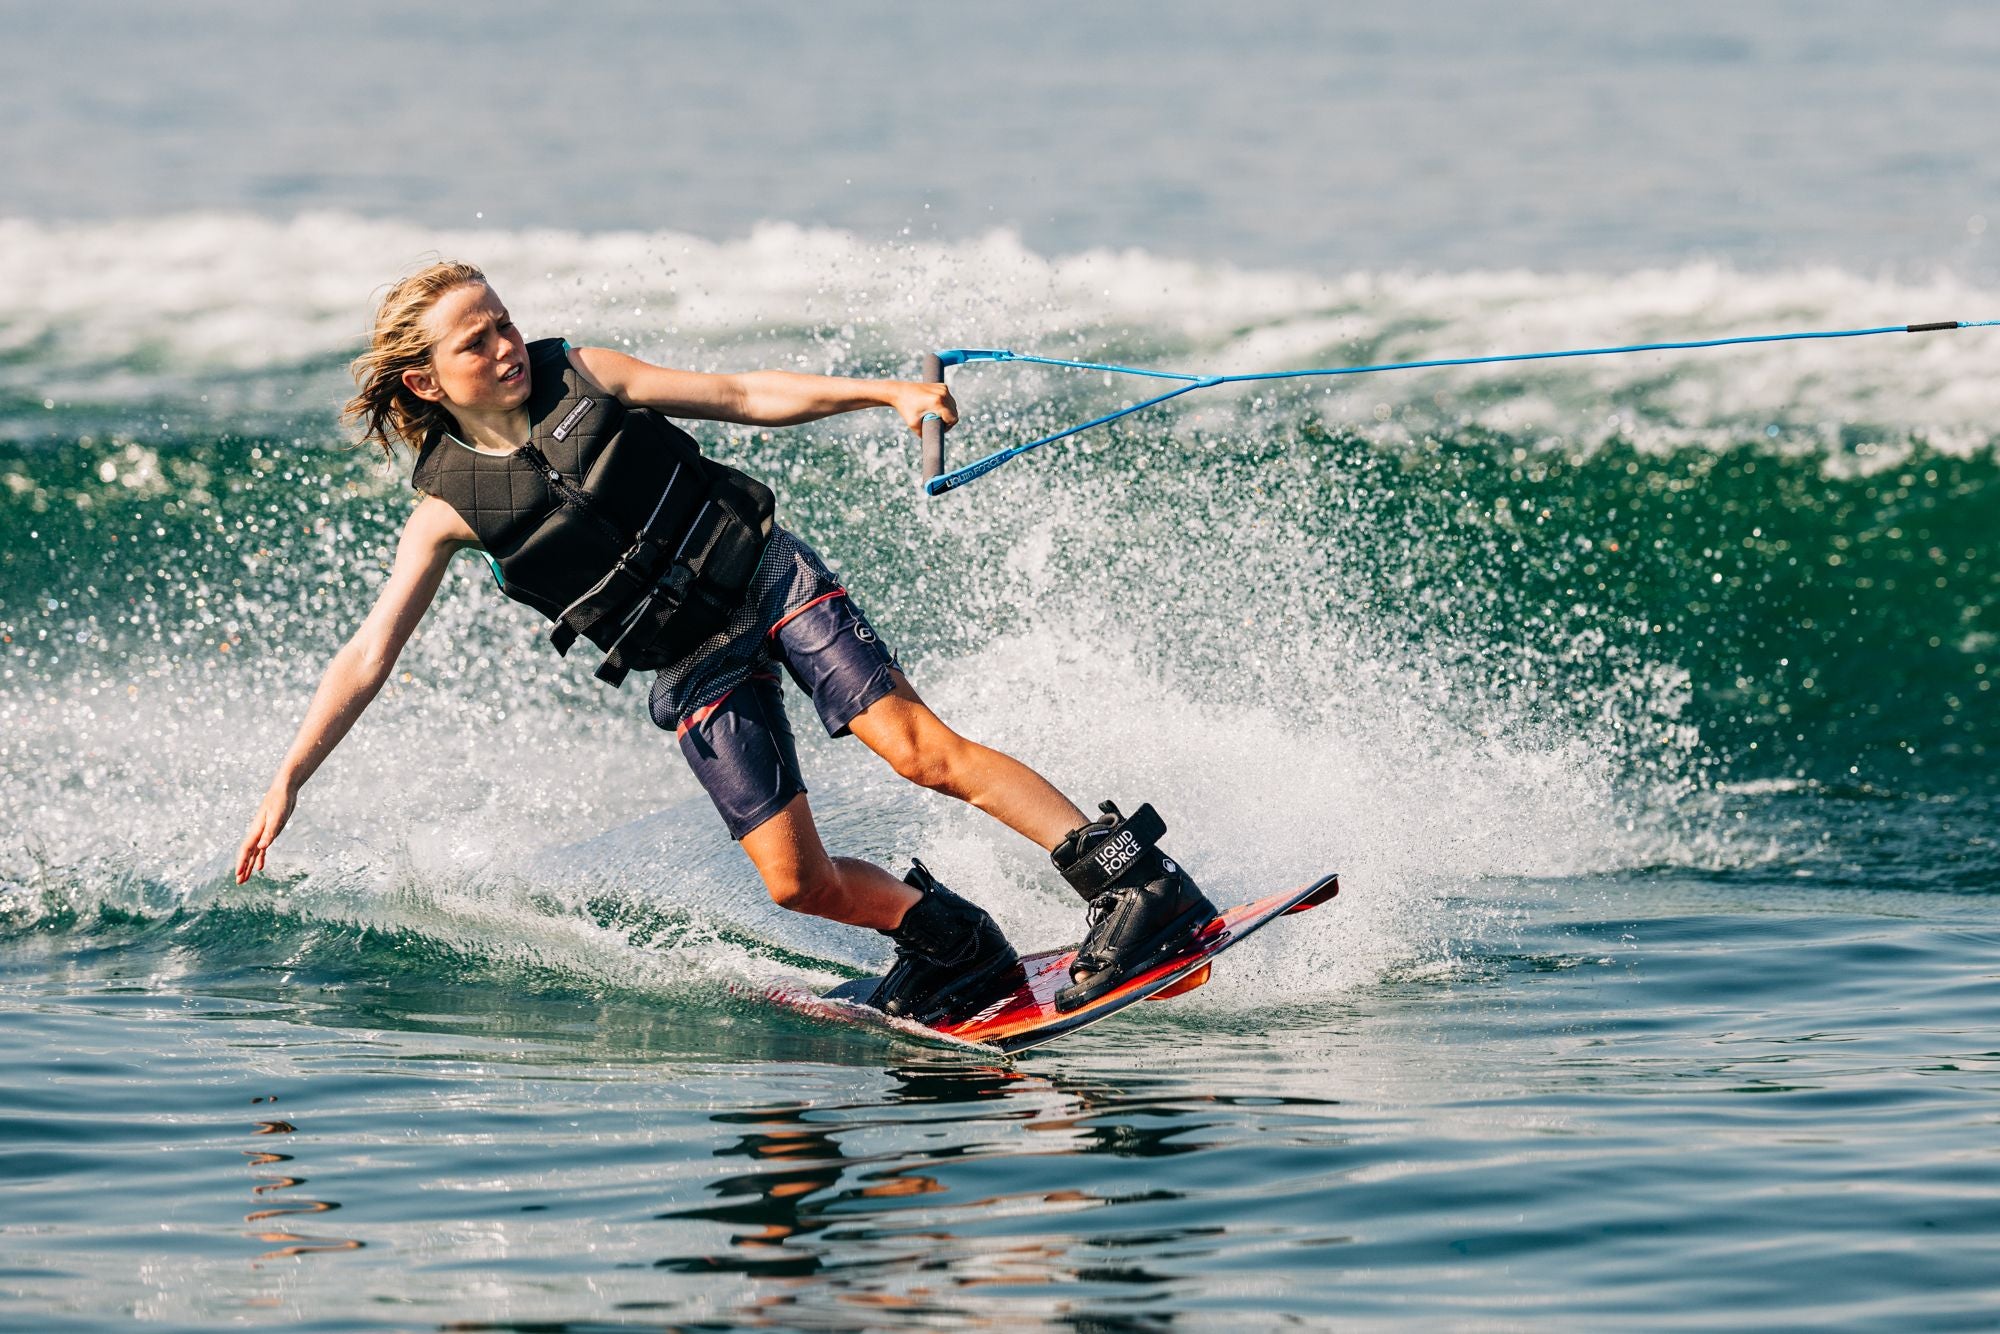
423	384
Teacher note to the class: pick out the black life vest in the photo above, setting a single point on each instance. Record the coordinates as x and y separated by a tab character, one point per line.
608	521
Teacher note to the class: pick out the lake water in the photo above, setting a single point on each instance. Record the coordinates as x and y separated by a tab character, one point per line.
1644	703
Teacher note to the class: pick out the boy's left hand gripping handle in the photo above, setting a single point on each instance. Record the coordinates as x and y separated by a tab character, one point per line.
933	460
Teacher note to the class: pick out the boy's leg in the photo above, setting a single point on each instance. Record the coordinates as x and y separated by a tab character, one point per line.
837	657
901	729
800	875
741	749
1142	904
949	953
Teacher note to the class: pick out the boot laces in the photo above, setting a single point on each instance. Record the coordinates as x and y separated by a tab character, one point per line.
1097	913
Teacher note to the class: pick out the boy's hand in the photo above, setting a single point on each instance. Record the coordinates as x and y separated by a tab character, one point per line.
914	400
264	826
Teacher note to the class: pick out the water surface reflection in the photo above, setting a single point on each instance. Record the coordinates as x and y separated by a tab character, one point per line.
930	1200
287	1244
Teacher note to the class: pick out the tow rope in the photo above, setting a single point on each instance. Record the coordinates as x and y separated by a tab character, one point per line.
937	481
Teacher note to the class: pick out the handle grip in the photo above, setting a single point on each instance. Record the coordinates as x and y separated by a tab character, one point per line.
933	456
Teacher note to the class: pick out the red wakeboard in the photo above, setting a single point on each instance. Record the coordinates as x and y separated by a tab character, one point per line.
1027	1016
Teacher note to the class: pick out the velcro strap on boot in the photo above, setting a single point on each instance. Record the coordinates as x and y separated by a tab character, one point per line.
1112	855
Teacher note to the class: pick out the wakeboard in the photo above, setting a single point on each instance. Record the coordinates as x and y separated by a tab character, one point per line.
1026	1016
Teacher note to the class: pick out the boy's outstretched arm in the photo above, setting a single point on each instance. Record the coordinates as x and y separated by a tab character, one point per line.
354	677
758	398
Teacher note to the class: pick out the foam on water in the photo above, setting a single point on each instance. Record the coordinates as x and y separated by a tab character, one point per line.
230	310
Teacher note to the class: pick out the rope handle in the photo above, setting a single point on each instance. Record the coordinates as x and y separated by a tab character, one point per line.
933	457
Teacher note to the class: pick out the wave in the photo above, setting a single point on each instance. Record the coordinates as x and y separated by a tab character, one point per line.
211	317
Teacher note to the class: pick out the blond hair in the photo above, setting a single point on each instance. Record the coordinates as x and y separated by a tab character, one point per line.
383	405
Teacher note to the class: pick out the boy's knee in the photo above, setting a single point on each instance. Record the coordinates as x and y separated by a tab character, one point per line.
934	763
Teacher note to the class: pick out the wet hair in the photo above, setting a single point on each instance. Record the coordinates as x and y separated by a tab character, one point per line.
383	405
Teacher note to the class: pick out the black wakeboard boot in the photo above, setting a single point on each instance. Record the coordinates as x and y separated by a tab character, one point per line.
950	956
1143	906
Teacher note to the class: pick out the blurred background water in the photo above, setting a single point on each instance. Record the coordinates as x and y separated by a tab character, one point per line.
1645	703
1439	135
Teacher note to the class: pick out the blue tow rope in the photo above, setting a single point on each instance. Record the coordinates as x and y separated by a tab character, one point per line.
957	477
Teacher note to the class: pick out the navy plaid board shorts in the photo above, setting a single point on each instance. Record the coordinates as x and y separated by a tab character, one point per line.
723	700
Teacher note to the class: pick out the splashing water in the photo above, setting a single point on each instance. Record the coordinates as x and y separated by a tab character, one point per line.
1433	629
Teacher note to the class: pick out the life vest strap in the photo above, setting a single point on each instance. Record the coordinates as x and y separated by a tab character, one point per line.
711	571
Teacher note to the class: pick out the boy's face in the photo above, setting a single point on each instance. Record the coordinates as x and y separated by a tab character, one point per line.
479	361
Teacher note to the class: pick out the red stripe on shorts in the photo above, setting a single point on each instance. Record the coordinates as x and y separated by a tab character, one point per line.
785	620
701	715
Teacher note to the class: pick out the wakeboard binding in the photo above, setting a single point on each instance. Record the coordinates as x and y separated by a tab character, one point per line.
951	956
1142	905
